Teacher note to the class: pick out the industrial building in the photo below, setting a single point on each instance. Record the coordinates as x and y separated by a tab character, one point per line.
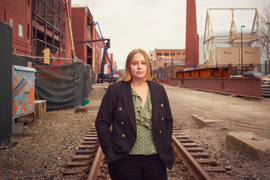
240	45
39	25
172	53
38	38
17	14
161	58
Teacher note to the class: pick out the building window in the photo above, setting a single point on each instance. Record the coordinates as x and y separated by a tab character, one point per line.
5	15
159	54
183	54
166	54
28	31
20	30
172	54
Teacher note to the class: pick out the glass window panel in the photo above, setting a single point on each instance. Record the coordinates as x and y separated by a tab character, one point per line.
56	21
40	48
63	26
49	15
56	39
20	30
40	35
57	6
89	35
50	3
63	11
63	47
41	8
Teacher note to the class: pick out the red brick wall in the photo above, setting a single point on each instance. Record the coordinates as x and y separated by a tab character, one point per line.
79	27
192	50
20	12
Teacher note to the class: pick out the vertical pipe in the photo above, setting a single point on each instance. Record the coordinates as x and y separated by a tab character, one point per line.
192	55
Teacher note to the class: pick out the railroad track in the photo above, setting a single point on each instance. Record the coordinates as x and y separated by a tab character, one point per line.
197	161
190	158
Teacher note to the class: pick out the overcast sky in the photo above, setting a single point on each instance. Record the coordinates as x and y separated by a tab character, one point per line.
161	24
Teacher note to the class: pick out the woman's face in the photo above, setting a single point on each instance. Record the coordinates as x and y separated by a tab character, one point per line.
138	67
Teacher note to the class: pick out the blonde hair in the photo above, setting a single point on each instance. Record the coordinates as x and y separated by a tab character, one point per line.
127	75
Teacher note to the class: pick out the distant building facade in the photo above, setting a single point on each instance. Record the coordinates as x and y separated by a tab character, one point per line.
84	29
38	25
166	57
174	53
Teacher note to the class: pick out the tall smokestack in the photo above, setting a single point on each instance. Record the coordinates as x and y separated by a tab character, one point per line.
192	50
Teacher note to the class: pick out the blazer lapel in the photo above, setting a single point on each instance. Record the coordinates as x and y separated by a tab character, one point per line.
126	95
155	103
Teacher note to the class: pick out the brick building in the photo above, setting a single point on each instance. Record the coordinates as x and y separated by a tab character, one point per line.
18	15
84	29
82	26
174	53
37	25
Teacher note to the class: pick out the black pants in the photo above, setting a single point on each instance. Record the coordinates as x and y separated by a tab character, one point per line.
138	167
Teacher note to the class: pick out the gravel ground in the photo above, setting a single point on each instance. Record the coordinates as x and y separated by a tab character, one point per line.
47	145
229	111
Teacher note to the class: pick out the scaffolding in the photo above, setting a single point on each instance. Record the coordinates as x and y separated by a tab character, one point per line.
49	26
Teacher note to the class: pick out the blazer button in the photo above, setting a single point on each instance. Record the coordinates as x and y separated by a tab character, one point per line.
123	135
120	109
162	118
161	105
122	122
160	132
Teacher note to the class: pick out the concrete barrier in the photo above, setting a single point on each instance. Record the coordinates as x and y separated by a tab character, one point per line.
249	144
202	122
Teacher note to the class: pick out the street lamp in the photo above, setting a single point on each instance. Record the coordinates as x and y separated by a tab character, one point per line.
241	51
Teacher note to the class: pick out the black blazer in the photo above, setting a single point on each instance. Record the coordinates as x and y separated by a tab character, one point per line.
117	109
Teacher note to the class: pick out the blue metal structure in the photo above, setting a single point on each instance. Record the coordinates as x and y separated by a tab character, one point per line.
105	47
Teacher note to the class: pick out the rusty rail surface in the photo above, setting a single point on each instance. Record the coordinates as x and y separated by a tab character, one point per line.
95	169
193	166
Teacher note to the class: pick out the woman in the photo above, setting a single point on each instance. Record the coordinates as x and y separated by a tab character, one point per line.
139	146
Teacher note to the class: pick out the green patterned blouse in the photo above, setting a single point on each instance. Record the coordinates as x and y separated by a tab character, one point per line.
144	144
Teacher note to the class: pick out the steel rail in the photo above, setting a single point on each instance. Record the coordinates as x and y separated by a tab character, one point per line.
95	169
193	166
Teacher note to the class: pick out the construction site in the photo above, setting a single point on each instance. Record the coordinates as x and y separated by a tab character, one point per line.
54	56
53	64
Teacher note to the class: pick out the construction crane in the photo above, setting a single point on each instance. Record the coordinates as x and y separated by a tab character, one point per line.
102	76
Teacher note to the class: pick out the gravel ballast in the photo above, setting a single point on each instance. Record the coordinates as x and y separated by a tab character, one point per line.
45	147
